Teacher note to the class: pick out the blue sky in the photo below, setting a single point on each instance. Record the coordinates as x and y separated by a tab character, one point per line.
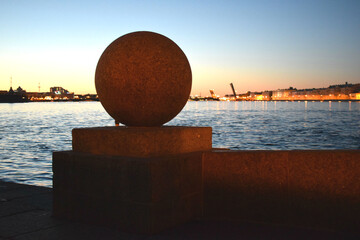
257	45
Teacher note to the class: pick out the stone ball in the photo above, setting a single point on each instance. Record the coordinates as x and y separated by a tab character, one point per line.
143	79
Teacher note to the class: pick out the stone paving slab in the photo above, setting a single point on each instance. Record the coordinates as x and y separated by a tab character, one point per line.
25	214
74	231
14	207
26	222
10	191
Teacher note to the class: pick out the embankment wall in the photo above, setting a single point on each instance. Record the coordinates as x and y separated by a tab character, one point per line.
314	188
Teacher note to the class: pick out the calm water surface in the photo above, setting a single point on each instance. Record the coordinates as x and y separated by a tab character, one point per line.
30	132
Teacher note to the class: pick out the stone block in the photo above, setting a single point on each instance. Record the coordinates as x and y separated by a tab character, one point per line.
30	221
141	141
311	188
179	175
245	185
143	195
324	189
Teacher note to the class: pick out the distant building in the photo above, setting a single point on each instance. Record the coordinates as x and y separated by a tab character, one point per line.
283	94
255	96
11	96
55	94
267	95
58	90
86	97
59	93
355	96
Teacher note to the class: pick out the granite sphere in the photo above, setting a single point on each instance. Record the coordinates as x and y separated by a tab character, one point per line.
143	79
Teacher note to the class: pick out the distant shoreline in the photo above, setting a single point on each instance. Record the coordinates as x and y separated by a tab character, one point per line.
333	100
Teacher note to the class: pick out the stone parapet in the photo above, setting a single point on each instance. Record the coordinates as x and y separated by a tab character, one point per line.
145	180
313	188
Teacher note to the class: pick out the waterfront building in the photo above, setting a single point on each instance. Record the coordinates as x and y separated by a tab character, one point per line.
283	94
55	94
267	95
11	96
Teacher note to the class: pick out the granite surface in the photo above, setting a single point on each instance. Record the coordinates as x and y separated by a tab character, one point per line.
143	79
312	188
142	141
142	195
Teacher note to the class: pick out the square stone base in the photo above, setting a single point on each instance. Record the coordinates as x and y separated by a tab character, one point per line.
134	194
142	141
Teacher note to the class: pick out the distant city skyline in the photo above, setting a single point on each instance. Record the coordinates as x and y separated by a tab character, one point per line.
256	45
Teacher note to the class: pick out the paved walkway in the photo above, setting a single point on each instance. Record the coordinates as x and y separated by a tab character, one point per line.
25	213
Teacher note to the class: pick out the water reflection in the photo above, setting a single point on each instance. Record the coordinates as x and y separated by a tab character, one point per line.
279	125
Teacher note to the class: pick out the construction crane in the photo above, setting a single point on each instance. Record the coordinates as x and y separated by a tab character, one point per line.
213	95
233	89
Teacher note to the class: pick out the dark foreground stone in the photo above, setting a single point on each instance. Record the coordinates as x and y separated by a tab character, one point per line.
309	188
25	213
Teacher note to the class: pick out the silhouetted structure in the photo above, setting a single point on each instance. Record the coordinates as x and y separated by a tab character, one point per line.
11	96
233	89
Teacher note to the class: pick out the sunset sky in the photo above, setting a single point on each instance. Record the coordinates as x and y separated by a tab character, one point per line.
257	45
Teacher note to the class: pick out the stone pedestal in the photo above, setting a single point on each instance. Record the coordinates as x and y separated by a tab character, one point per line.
140	180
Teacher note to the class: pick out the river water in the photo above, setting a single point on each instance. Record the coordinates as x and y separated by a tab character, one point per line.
30	132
